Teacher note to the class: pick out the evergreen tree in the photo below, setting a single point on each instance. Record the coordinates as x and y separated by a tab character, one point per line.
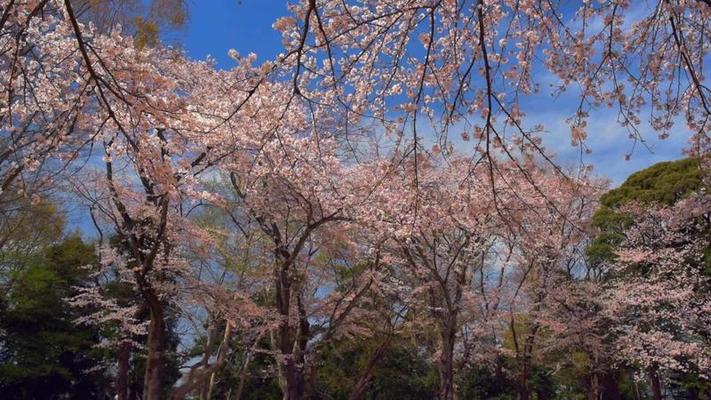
43	353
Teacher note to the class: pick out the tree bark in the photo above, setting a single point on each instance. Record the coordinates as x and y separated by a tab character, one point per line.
202	375
526	367
134	391
656	385
594	393
524	384
155	347
124	356
292	369
292	339
242	377
524	389
294	378
446	359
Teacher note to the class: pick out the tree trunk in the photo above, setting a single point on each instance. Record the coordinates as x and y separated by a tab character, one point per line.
155	347
201	377
524	391
294	378
446	360
292	339
360	388
656	385
206	389
242	376
594	393
292	370
124	356
525	387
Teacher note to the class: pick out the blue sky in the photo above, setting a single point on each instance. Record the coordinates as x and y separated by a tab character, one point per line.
216	26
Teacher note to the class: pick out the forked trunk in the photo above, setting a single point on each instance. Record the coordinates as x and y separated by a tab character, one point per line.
527	364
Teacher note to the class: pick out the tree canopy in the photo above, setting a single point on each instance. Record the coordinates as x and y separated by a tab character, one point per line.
369	214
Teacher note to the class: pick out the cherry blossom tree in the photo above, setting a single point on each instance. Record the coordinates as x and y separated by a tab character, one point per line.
574	320
148	119
602	310
456	243
658	294
438	236
464	66
550	239
295	190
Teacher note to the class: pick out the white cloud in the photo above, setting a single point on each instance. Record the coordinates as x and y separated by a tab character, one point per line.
609	143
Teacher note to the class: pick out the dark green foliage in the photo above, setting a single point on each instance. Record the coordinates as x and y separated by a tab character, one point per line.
260	379
543	383
481	383
499	383
663	183
43	354
402	372
341	365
